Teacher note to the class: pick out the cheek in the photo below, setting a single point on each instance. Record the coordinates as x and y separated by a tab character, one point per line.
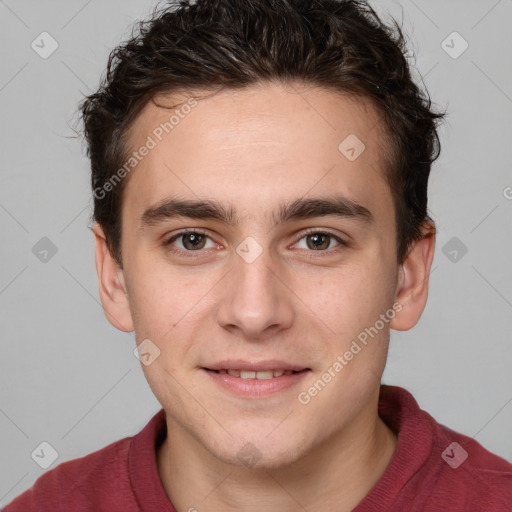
350	298
164	298
154	300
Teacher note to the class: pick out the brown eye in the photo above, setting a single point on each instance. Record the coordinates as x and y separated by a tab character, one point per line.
319	241
193	241
189	241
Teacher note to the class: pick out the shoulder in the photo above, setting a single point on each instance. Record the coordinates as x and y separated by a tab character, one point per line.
106	480
437	468
469	471
79	483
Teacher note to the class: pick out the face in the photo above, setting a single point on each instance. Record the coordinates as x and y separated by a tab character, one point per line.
287	255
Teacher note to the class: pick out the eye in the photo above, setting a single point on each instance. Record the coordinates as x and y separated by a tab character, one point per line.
320	241
190	240
194	240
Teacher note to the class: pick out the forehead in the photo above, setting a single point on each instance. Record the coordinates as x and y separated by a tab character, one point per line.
256	146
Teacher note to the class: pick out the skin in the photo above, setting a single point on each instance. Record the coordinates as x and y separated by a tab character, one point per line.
255	149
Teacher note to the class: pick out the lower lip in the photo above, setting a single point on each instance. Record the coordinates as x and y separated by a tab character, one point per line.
256	388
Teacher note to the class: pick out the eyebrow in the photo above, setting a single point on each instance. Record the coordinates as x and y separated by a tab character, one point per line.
302	208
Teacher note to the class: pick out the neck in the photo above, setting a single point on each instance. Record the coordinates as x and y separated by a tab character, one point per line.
336	475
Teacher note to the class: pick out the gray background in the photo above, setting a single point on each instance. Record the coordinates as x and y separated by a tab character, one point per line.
68	378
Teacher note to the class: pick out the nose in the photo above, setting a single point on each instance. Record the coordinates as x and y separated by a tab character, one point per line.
256	301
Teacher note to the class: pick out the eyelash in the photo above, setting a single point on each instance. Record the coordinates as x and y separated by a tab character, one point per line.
311	231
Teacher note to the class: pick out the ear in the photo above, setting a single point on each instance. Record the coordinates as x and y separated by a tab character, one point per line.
413	277
112	286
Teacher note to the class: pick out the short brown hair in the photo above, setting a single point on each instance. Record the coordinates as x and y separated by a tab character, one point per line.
340	45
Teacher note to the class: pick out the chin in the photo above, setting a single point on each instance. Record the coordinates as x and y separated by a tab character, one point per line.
258	452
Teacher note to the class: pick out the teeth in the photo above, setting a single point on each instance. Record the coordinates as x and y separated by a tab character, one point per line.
263	375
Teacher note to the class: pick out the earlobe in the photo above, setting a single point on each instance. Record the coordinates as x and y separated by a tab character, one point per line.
413	278
112	285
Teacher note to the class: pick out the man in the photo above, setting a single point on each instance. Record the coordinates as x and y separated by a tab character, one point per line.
260	177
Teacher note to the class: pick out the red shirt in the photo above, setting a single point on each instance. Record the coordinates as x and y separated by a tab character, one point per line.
427	473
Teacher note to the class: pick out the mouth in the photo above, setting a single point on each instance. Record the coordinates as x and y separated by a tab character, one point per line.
254	374
256	381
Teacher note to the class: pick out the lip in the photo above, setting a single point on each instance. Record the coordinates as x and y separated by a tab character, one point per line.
258	366
255	388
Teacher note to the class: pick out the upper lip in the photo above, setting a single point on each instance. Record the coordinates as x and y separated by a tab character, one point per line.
258	366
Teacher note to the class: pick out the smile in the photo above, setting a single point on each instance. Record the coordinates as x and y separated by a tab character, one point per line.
261	375
256	384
